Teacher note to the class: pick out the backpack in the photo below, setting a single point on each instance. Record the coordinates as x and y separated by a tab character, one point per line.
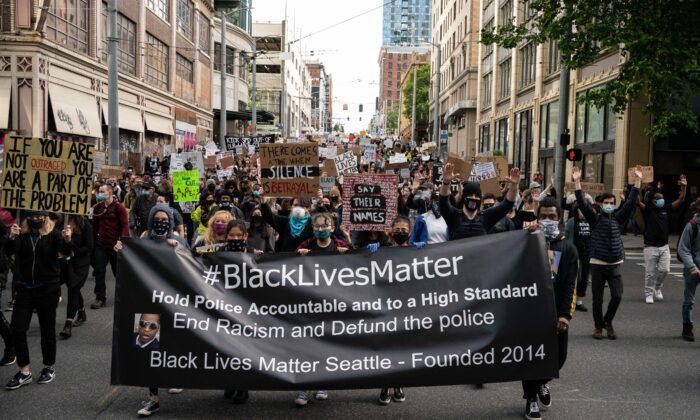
694	234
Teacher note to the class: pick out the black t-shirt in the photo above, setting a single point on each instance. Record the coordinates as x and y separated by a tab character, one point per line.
330	248
656	221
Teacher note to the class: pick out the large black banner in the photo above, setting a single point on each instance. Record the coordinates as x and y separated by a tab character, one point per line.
471	311
232	142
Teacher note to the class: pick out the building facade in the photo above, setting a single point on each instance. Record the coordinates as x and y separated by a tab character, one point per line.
54	61
456	32
518	107
406	23
320	88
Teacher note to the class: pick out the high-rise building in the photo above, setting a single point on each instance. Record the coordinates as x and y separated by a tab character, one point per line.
406	23
320	95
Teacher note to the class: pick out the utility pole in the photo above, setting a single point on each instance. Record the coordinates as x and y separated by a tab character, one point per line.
113	117
559	155
223	119
398	117
436	117
255	92
413	110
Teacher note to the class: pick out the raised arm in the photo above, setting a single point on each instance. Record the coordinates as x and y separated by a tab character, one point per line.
681	198
627	209
583	205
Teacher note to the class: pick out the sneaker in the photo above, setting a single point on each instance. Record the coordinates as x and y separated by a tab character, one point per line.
175	391
658	295
687	334
532	409
97	304
649	299
240	396
302	399
581	307
149	407
598	333
321	395
384	398
8	358
399	396
47	375
544	395
20	379
611	332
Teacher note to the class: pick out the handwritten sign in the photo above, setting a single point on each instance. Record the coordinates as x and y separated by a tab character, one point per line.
328	152
591	188
345	163
647	174
186	161
369	154
224	173
186	186
398	160
327	182
226	161
289	170
47	175
369	201
98	161
232	143
111	171
210	162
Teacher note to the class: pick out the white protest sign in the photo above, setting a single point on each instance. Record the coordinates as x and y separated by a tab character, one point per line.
346	163
223	173
328	152
398	158
98	161
389	143
405	173
484	171
210	149
369	154
327	182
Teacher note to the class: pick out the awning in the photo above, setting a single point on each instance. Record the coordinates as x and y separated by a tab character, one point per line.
159	124
262	116
5	93
74	112
129	118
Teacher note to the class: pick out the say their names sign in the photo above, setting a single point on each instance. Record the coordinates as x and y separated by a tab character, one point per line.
47	175
370	201
289	169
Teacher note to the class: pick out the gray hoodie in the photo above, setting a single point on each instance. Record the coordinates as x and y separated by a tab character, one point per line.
171	235
689	249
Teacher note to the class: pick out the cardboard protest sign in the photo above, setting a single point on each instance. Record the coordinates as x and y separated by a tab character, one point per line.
461	167
500	164
210	162
327	182
48	175
398	160
227	161
369	154
329	168
485	175
369	201
232	143
647	174
185	186
345	163
289	170
111	171
591	188
328	152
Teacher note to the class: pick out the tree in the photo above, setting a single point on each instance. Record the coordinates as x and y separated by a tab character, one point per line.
391	118
339	128
658	40
422	90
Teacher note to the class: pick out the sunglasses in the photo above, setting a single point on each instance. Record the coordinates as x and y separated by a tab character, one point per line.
149	325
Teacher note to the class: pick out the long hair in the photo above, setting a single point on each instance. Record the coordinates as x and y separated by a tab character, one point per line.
76	223
209	234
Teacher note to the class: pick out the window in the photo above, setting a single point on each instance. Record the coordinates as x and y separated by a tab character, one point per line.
184	69
160	8
184	18
67	24
204	34
528	11
504	89
488	49
527	65
486	99
523	142
553	58
594	124
505	15
156	62
549	121
501	138
243	67
268	68
230	58
126	48
484	138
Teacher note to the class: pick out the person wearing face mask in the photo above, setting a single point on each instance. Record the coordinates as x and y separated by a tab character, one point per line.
250	202
506	223
200	215
142	207
135	186
260	235
563	263
469	221
179	221
37	248
292	230
160	230
607	251
430	227
335	198
226	204
578	232
657	255
215	233
74	271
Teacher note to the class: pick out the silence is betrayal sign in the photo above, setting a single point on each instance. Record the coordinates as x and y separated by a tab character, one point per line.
369	201
290	169
50	175
400	316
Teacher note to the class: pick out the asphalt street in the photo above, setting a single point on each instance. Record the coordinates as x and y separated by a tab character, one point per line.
649	372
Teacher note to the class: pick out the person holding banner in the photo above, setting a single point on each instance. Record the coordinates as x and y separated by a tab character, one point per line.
142	207
260	235
563	262
74	271
226	204
430	227
216	230
200	215
37	249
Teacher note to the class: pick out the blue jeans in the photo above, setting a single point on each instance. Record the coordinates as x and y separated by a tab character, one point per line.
691	283
103	254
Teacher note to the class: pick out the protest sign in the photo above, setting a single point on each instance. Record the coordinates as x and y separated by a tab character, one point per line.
47	175
289	170
329	168
364	141
187	161
224	173
405	173
485	175
437	175
232	143
111	171
327	182
443	317
461	167
428	146
500	165
397	161
389	143
647	174
210	162
369	201
369	154
345	163
98	161
185	186
210	149
328	152
226	161
591	188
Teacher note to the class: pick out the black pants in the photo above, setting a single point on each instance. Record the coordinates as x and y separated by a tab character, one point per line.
45	300
75	297
189	227
530	388
104	254
584	271
6	334
600	274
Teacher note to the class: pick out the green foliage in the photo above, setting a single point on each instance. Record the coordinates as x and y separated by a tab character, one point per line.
422	91
659	41
339	128
392	118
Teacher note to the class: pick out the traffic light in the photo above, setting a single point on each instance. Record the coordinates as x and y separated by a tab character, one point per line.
574	155
564	139
360	107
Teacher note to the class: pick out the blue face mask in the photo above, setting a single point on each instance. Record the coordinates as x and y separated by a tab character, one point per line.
660	203
608	208
144	193
322	235
101	197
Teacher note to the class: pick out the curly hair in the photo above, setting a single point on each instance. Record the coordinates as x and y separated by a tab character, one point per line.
209	235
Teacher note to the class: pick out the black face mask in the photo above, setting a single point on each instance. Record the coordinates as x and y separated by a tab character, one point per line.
472	204
400	237
237	245
160	227
487	206
334	198
256	220
35	224
208	203
225	204
420	205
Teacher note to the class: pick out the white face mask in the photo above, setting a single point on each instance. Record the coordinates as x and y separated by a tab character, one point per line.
298	212
608	208
550	228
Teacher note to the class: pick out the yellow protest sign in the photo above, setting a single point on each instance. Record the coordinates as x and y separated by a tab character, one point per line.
186	186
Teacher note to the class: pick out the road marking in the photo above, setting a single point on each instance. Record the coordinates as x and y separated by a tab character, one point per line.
672	273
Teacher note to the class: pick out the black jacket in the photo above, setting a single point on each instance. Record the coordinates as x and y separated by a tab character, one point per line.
285	243
563	260
38	266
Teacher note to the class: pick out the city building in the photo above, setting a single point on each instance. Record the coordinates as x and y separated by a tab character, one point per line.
417	60
518	108
456	32
321	116
283	80
53	73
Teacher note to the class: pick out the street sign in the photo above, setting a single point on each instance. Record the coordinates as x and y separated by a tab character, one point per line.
443	136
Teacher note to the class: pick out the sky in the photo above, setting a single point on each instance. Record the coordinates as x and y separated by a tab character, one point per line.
348	50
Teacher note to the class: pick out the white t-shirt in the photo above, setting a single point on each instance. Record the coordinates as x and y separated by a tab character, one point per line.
437	228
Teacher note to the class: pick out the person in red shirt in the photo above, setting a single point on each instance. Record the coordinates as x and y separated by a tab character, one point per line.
110	221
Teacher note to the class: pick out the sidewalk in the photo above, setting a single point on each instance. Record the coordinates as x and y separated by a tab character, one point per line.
636	243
